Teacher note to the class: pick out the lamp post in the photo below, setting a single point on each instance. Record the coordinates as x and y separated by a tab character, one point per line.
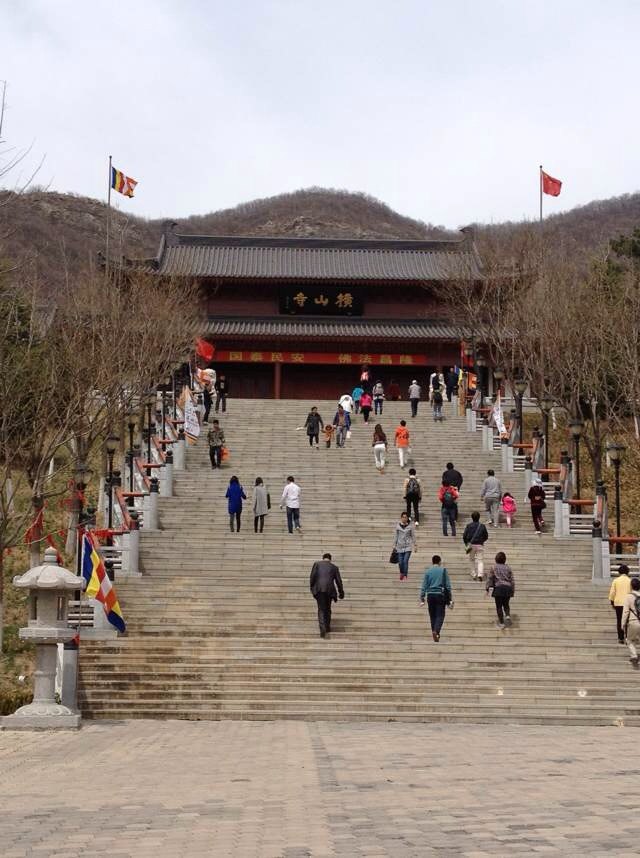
131	425
546	404
482	363
520	385
111	445
498	375
150	402
616	453
577	428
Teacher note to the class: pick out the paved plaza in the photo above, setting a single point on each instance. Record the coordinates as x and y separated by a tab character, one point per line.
292	789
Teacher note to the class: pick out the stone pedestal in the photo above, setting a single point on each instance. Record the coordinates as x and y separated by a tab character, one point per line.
49	587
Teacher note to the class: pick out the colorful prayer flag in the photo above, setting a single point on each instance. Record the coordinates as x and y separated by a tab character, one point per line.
121	183
98	586
550	185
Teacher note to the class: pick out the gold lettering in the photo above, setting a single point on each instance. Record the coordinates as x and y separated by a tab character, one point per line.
297	357
344	299
344	358
276	357
300	299
364	359
321	300
256	356
385	359
406	359
235	356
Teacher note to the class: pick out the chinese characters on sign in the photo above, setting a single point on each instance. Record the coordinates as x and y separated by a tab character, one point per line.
355	358
310	301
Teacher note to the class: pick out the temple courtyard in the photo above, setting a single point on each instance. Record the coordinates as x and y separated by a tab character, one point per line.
296	789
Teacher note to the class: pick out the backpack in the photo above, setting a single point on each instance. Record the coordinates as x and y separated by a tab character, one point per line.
437	398
637	608
413	487
448	500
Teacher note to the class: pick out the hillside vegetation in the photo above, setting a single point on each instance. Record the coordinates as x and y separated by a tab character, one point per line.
60	232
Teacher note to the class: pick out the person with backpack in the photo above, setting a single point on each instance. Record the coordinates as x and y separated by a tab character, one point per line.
491	493
366	402
502	586
402	442
538	502
631	621
235	495
436	585
618	592
404	543
437	402
448	496
412	493
474	537
313	424
378	397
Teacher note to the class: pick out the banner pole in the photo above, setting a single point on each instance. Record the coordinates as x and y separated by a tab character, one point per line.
108	216
540	194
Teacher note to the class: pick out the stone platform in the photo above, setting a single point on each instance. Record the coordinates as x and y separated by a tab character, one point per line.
292	789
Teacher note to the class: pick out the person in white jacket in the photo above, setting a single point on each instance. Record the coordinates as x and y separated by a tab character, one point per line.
291	501
347	403
631	621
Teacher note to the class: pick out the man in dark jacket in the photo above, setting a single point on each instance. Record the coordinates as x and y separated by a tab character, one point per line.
222	391
325	584
313	424
474	537
452	476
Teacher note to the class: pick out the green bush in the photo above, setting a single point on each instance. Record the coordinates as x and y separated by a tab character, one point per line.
14	699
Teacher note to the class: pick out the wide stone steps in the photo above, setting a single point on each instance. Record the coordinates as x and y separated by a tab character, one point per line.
222	625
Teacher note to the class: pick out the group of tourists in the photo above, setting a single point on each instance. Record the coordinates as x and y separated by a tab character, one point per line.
261	504
624	596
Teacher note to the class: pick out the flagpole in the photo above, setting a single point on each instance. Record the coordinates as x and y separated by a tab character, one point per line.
108	216
540	194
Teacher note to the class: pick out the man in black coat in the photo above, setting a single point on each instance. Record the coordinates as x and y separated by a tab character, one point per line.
325	584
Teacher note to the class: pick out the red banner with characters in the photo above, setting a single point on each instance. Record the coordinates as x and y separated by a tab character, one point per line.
355	358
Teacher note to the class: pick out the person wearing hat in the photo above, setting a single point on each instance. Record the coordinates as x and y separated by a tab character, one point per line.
618	592
538	503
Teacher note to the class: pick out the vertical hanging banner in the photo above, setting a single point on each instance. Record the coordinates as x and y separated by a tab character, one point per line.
191	421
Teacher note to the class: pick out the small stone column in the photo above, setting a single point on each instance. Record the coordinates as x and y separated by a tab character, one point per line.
598	574
528	474
180	452
151	513
49	588
558	514
166	486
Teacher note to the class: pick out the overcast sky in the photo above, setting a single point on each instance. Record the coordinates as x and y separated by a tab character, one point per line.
442	108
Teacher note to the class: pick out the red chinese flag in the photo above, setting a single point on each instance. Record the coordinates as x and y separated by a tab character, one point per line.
205	350
550	185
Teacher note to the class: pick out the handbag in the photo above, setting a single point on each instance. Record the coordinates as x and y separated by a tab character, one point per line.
468	545
393	558
268	501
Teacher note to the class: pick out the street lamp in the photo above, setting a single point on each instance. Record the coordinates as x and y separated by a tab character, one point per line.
498	375
131	424
546	403
482	363
111	445
576	427
520	385
616	454
150	402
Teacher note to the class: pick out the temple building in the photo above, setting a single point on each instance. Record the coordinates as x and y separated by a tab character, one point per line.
296	317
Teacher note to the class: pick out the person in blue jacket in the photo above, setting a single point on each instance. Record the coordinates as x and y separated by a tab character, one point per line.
235	495
436	585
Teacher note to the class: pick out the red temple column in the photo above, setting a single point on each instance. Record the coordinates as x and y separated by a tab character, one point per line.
277	379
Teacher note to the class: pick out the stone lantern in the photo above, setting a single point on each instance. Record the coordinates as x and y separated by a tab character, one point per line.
49	587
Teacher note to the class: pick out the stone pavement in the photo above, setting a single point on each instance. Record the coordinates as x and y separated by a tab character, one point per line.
290	789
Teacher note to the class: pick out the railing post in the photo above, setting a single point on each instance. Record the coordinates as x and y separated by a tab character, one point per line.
486	429
179	452
504	455
510	465
597	575
151	517
557	513
134	544
166	486
469	413
528	474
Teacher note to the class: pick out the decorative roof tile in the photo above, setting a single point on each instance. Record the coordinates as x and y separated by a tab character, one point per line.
334	328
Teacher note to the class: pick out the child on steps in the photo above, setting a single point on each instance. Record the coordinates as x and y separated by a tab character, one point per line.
509	507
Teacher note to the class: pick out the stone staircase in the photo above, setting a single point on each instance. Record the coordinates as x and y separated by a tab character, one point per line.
222	625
